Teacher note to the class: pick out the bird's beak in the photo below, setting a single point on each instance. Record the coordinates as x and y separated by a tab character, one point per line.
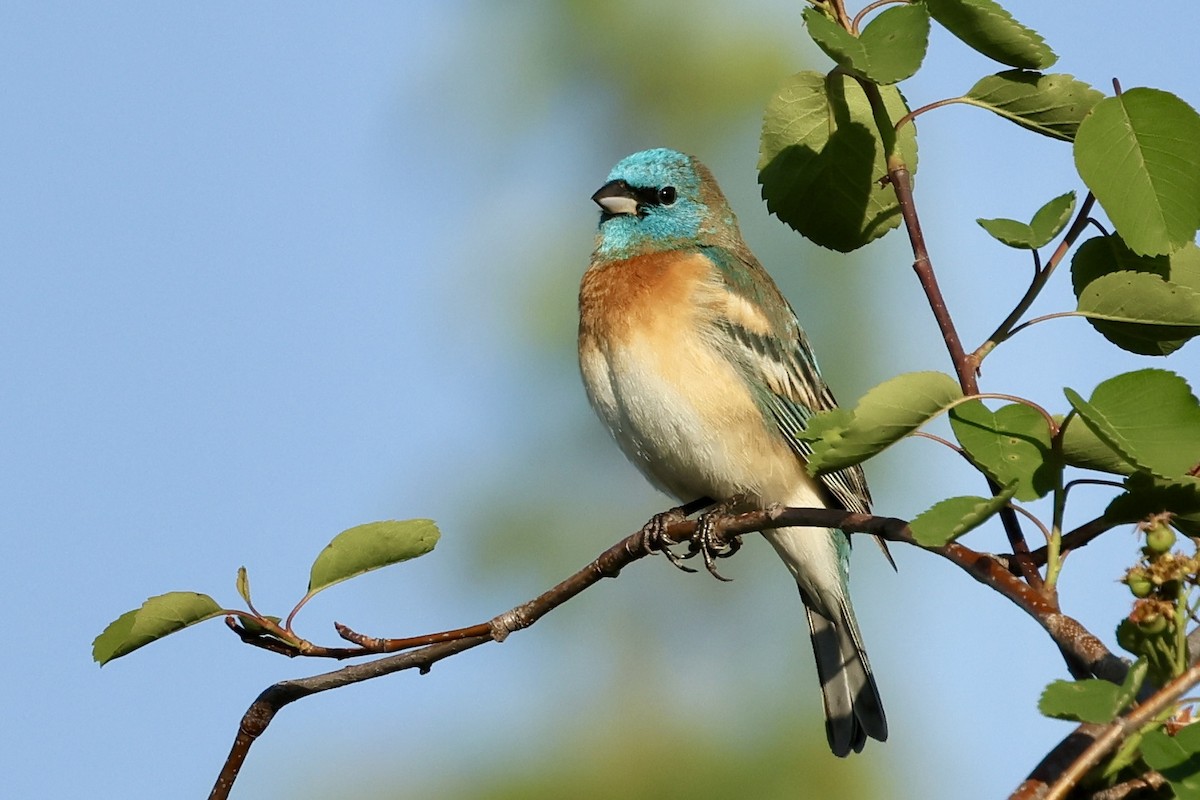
615	197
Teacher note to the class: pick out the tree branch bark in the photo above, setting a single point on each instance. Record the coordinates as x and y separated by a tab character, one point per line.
1070	636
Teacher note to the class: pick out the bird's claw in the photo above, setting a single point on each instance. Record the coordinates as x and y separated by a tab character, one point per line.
706	543
654	537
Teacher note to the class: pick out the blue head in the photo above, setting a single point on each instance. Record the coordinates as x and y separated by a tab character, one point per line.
659	200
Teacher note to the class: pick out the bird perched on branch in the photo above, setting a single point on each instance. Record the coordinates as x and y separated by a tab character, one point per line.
697	365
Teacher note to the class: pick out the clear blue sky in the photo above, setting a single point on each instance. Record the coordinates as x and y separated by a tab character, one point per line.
266	275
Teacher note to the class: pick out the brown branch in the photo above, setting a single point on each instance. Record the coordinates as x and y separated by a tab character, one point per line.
262	711
901	181
303	648
267	705
1080	537
1071	637
1071	760
1148	783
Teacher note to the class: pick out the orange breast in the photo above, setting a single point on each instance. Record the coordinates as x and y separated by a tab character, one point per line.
649	294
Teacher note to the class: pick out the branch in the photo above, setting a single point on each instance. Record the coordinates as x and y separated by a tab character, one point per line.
266	705
1009	326
1080	537
1067	763
1071	637
901	180
1140	786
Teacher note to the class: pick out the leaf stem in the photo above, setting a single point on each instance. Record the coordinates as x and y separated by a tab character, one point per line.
1036	522
1051	424
287	623
1054	542
858	18
1008	327
910	116
1036	320
940	440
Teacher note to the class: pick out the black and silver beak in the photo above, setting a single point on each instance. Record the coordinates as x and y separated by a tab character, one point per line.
616	197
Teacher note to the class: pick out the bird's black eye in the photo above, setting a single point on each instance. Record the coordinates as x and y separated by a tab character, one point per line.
666	195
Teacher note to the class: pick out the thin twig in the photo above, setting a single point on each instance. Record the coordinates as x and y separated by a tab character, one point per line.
1006	329
1140	786
1071	637
1106	737
267	705
1080	537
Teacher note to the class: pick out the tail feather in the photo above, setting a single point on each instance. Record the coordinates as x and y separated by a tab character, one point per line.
853	710
819	561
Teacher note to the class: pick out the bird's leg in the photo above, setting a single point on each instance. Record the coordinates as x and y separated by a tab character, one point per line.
654	532
705	541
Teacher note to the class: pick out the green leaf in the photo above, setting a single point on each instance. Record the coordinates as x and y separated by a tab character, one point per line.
255	627
986	27
837	42
1150	417
1145	495
1177	758
1083	448
243	584
1139	154
946	520
1092	700
821	160
896	41
159	616
1141	313
1103	255
1170	299
1050	220
1011	445
889	49
1052	105
1008	231
884	415
1047	223
1132	684
368	547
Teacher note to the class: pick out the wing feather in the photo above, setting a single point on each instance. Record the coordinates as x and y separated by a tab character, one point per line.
778	365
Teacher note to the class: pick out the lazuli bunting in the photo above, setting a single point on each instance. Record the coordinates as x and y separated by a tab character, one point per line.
697	365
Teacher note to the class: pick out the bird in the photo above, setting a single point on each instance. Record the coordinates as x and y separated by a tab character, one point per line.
697	365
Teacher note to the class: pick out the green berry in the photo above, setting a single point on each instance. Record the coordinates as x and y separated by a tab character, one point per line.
1159	538
1129	637
1139	583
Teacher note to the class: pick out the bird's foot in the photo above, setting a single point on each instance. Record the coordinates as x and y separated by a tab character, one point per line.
654	532
654	536
708	542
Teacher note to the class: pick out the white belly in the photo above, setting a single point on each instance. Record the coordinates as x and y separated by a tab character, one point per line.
689	423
